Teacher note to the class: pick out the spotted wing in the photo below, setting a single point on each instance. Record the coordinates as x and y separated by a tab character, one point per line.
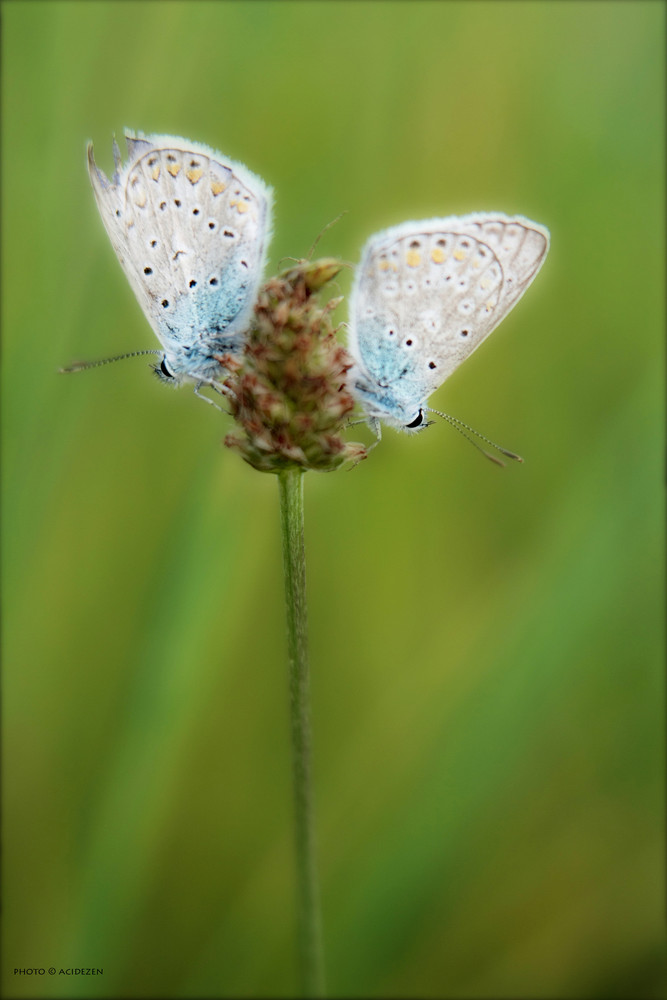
190	229
428	293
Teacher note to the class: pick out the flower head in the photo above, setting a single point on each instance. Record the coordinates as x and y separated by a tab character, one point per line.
288	390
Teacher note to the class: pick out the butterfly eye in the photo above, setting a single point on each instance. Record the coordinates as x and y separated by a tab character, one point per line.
417	422
165	371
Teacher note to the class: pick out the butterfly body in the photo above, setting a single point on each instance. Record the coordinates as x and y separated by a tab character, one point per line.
190	229
426	294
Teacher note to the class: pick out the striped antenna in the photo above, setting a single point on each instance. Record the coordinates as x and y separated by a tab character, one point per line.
80	366
459	426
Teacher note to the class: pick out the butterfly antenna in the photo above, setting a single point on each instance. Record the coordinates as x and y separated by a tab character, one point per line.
323	231
80	366
459	426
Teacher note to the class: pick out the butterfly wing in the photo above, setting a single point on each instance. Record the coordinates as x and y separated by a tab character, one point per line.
190	229
425	297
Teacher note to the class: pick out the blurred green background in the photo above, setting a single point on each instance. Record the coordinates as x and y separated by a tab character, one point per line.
486	644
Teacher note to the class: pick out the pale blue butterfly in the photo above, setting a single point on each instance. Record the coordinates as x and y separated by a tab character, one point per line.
426	294
190	228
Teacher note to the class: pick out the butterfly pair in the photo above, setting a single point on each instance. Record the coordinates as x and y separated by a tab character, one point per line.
190	229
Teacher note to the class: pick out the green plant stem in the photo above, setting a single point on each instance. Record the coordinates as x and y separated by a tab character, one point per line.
309	924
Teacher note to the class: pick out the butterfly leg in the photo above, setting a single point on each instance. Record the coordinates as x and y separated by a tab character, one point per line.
376	427
205	398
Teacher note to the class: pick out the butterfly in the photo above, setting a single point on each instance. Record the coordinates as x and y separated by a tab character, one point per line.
425	296
190	228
